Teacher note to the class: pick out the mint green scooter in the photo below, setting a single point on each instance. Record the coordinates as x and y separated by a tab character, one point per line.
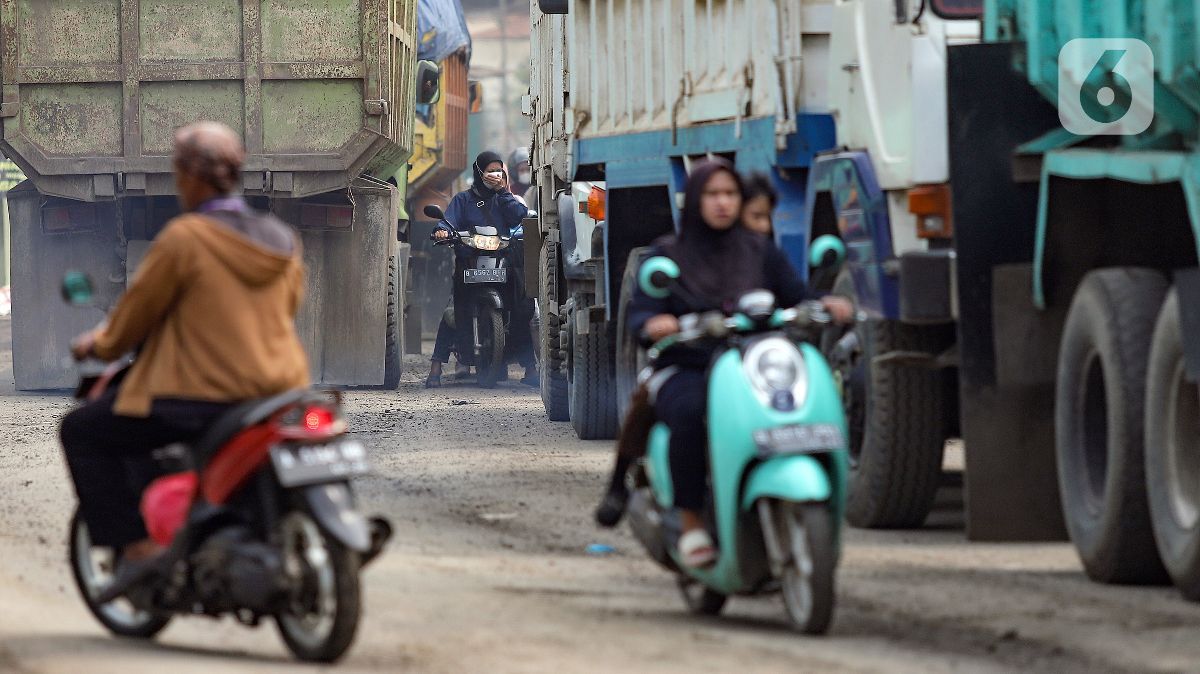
777	452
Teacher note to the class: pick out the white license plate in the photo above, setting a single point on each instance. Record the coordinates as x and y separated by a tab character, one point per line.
485	275
297	465
799	439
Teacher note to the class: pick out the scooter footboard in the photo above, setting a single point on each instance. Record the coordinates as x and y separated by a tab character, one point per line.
797	477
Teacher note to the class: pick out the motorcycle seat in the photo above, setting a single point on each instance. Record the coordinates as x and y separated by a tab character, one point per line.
240	417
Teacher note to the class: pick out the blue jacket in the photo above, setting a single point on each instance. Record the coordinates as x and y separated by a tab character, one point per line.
467	210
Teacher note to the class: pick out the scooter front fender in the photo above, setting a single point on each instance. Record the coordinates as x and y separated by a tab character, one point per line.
796	477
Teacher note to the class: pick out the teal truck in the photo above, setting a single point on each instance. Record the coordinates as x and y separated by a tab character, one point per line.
323	92
1076	218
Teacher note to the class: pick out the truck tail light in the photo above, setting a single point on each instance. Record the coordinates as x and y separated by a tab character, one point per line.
932	206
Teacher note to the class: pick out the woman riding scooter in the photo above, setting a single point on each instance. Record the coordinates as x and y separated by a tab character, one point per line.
719	261
488	202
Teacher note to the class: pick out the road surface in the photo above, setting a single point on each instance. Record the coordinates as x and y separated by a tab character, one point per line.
488	572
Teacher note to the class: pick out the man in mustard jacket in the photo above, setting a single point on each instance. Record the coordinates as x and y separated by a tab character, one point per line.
212	308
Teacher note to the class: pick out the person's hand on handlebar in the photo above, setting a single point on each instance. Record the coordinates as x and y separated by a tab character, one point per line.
840	309
441	234
660	326
83	346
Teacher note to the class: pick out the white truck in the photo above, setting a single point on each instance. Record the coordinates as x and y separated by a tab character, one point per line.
624	96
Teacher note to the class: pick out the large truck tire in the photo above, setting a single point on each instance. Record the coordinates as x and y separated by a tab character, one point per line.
551	363
629	355
393	364
1173	452
1100	403
896	416
591	386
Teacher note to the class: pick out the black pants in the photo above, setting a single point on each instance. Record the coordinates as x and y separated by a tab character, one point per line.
445	341
109	457
680	404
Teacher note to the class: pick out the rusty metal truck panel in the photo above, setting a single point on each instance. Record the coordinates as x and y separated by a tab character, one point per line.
322	90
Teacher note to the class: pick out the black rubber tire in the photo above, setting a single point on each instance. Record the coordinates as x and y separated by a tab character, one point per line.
147	630
818	524
591	386
897	427
493	365
629	354
1099	423
1172	434
346	565
699	599
393	363
551	361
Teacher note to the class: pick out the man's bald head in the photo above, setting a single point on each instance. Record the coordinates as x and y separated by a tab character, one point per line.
211	154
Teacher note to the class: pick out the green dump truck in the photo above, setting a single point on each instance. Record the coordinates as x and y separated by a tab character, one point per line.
323	92
1076	219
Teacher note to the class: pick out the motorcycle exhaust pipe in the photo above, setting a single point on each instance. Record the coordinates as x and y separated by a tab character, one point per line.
381	533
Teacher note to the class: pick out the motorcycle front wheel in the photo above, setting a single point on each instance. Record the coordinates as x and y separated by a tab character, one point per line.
92	568
805	534
322	615
492	364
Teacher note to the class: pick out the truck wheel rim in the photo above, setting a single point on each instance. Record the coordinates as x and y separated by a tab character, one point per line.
1094	436
1183	448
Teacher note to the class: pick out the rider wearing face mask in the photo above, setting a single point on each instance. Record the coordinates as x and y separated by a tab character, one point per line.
489	202
719	261
522	177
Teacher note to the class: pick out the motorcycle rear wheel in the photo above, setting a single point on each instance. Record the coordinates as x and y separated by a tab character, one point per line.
323	615
700	599
93	574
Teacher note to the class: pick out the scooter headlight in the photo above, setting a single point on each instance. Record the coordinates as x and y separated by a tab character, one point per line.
483	242
776	371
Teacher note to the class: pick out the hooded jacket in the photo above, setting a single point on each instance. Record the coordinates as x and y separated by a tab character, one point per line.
213	305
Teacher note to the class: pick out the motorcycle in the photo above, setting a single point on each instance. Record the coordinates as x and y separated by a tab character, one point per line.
485	296
777	452
257	518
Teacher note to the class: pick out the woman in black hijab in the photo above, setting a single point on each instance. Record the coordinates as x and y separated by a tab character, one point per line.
719	261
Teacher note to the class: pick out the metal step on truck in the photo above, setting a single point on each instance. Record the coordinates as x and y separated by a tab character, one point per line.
323	93
624	97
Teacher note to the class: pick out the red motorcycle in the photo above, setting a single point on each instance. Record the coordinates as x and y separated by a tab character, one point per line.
258	519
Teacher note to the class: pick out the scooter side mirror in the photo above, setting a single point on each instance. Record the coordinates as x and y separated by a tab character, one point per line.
657	275
826	251
435	212
77	288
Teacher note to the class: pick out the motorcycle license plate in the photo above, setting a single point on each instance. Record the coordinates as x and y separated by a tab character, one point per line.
799	439
485	275
298	465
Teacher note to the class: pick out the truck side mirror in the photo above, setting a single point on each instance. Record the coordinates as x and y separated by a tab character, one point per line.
429	89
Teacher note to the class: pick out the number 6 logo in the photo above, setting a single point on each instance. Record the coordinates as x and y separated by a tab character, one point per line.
1106	86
